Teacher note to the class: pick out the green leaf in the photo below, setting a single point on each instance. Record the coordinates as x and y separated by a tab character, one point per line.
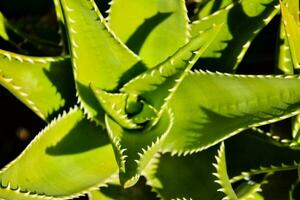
3	32
67	159
242	22
61	25
256	196
97	195
249	190
293	7
137	147
292	29
222	105
296	128
112	191
189	177
155	30
213	6
157	85
284	58
98	57
262	156
222	175
275	138
250	158
37	82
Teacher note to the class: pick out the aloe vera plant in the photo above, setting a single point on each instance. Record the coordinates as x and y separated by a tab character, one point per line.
131	99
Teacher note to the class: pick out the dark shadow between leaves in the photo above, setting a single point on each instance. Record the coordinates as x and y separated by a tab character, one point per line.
206	121
84	137
249	150
61	76
89	98
242	28
138	38
132	72
137	192
194	180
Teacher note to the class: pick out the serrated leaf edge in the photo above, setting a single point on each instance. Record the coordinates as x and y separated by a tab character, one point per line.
264	170
36	139
276	138
74	46
18	91
221	174
245	46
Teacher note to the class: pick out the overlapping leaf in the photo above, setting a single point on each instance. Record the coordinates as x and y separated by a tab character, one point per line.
189	177
224	105
97	57
262	156
137	147
156	29
68	158
156	86
38	82
212	6
242	22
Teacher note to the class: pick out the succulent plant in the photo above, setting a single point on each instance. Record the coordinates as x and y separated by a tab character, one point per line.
133	91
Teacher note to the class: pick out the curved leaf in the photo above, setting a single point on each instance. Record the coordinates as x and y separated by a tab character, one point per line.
222	175
251	158
98	57
292	29
114	105
3	32
262	156
97	195
137	147
156	29
188	177
157	85
61	25
284	59
222	105
242	21
38	82
68	158
137	192
211	7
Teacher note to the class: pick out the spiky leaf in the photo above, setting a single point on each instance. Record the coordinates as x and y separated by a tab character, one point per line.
284	59
37	82
222	176
156	86
97	195
68	158
242	22
212	6
224	105
156	29
191	176
98	57
262	156
137	147
3	32
292	29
